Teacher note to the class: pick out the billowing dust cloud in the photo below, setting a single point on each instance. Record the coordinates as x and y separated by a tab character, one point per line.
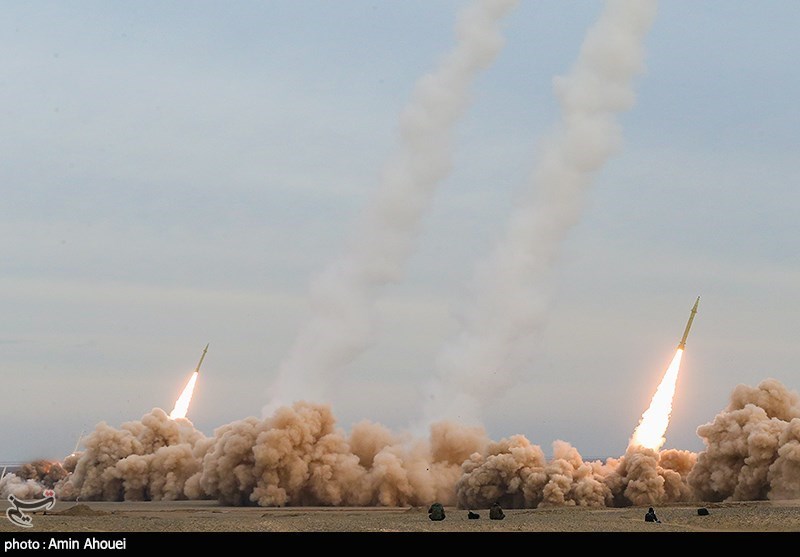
296	455
150	459
753	447
299	457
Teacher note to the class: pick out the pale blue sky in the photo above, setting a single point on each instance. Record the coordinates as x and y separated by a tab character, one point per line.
175	174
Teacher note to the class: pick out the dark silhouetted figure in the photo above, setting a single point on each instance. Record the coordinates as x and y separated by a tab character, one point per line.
496	513
702	511
650	516
436	512
473	516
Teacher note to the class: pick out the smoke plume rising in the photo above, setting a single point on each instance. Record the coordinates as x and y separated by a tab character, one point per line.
511	289
340	324
297	455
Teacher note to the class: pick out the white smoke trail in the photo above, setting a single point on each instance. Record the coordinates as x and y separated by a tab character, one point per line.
512	287
340	325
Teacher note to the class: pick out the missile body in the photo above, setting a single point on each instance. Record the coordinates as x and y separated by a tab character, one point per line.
197	369
682	343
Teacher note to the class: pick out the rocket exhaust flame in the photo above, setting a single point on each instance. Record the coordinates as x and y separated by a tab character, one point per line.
650	431
182	404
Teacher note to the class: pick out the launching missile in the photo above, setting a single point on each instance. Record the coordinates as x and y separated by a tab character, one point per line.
197	369
78	442
682	343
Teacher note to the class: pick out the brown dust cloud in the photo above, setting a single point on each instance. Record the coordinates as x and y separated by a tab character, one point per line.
299	457
295	454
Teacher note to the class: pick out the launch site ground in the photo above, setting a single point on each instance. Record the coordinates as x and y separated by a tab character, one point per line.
210	516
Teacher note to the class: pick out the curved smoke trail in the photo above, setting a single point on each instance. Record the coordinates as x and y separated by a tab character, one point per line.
512	286
340	325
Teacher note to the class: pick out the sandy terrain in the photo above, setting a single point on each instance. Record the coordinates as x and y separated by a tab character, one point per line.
209	516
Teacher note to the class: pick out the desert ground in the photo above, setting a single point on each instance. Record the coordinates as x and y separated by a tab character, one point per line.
210	516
